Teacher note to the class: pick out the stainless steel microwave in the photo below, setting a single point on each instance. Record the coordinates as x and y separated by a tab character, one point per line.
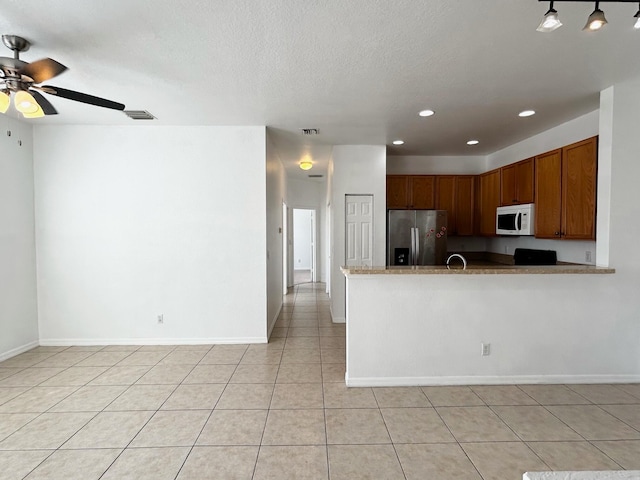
515	220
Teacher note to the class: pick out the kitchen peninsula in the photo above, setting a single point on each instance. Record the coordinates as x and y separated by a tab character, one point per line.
428	326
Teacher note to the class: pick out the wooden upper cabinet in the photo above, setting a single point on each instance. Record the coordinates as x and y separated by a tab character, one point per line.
397	191
464	205
422	188
517	183
525	180
411	191
489	197
579	180
446	199
548	198
566	182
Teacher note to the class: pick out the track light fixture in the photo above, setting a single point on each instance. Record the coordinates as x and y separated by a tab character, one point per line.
596	20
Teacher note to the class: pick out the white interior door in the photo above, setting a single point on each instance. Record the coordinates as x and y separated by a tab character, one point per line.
359	230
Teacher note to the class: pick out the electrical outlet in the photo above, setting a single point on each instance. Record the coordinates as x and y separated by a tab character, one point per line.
486	349
161	318
587	256
506	249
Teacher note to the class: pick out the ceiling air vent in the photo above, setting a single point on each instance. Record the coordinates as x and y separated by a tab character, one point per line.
316	176
139	115
310	131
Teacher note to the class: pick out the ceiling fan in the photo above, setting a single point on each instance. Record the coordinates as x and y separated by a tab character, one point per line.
23	79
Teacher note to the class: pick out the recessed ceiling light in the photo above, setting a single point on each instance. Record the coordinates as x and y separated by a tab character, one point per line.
426	113
527	113
398	142
473	142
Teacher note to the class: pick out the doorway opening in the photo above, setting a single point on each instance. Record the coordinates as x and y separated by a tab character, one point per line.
304	252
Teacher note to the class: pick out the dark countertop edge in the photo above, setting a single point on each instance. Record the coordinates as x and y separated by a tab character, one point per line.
480	270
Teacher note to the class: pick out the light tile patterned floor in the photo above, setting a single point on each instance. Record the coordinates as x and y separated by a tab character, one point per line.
281	411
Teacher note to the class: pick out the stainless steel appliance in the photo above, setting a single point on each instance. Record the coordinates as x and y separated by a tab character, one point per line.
416	237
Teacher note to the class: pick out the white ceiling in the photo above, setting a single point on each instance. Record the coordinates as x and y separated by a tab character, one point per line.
359	70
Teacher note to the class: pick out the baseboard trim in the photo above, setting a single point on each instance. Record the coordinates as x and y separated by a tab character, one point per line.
273	321
486	380
65	342
17	351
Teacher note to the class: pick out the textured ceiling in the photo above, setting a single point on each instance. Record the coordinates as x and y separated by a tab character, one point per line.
359	70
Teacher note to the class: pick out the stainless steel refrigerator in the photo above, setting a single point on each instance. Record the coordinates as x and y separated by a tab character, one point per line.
416	237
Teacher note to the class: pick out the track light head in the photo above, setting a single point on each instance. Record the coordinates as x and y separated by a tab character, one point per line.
550	22
596	20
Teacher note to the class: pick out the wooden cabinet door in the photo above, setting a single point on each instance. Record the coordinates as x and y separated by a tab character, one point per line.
464	205
489	201
422	188
508	194
579	180
548	195
397	191
525	181
446	199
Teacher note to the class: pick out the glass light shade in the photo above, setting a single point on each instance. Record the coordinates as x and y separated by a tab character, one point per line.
637	17
25	103
37	114
306	165
550	22
5	101
596	20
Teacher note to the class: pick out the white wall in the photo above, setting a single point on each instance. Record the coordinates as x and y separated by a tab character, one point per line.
275	191
18	302
355	169
311	194
138	221
426	165
302	239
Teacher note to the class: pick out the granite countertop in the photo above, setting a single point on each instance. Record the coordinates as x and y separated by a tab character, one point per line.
482	268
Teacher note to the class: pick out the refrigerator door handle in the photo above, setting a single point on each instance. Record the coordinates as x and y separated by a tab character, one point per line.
411	253
417	236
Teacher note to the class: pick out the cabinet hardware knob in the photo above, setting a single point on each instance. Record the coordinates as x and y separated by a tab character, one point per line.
556	233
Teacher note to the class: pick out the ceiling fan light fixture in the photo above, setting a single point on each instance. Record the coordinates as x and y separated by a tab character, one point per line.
37	114
596	20
5	101
25	103
550	22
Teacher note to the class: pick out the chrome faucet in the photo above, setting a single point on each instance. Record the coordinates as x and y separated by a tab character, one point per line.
464	261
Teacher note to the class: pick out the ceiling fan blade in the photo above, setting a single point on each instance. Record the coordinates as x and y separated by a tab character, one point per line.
42	70
46	107
82	97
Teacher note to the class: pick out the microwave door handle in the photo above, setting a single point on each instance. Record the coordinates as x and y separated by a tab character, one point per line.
519	221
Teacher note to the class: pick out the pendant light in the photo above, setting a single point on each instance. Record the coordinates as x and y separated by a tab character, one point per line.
637	17
550	22
596	20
